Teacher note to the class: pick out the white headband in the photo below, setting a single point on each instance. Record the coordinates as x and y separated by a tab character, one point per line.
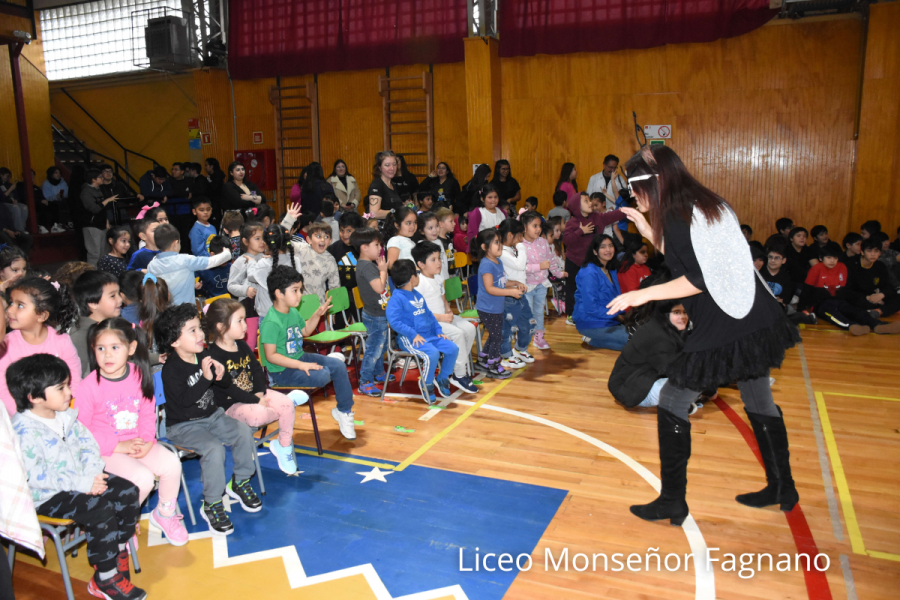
641	177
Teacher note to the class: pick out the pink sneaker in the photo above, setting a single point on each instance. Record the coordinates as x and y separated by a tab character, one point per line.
172	527
539	342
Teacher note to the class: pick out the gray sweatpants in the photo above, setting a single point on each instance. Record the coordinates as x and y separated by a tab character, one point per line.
756	394
208	438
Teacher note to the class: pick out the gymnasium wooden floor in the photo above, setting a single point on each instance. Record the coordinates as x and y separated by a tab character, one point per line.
554	432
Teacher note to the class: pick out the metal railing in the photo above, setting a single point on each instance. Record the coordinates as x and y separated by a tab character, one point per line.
76	146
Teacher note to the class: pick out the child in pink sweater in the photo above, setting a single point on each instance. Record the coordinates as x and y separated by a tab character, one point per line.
34	307
540	261
116	404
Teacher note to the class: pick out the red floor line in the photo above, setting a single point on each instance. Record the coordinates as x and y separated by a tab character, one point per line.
816	583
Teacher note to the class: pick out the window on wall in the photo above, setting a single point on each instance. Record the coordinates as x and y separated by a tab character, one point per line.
99	38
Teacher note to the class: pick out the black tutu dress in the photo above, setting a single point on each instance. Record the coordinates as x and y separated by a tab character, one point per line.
722	349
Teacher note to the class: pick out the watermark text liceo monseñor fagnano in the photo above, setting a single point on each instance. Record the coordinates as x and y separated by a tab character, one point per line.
746	565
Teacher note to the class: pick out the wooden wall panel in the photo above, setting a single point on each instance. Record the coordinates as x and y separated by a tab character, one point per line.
451	142
877	186
765	119
37	110
146	114
350	122
214	108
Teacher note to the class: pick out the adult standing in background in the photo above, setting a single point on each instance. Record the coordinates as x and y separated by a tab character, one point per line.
608	182
239	193
381	198
181	185
314	189
470	196
507	186
442	182
344	184
405	182
95	205
567	182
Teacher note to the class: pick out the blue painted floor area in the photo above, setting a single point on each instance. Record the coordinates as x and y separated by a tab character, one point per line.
410	528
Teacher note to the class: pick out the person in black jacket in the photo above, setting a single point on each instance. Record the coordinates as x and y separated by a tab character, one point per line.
639	372
239	193
444	185
94	203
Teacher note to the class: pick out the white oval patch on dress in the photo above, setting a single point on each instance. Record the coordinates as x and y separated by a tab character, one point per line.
725	260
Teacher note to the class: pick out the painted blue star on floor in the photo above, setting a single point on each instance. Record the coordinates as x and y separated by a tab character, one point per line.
410	527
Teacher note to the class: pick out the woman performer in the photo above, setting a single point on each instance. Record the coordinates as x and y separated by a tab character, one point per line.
740	331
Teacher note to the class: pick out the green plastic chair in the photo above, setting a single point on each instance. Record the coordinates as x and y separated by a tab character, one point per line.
309	304
340	302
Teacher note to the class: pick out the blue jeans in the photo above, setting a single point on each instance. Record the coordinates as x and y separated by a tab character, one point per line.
537	300
429	354
334	371
652	398
517	313
612	338
376	345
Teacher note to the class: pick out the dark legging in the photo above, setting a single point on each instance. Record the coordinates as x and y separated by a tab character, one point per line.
108	520
493	324
571	271
756	394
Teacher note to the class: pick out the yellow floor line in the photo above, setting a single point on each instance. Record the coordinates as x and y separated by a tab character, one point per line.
427	445
860	396
856	540
349	459
884	555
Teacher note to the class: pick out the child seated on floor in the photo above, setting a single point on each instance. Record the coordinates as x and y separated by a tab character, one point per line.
178	269
852	243
119	240
194	421
418	331
248	400
65	472
458	330
281	334
115	402
825	291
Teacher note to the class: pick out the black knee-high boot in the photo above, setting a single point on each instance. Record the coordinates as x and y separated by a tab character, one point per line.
674	452
771	436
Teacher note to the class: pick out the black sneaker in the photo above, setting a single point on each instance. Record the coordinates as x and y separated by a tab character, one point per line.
114	588
214	514
496	371
243	493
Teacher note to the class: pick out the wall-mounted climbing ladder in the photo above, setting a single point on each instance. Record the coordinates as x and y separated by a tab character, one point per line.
297	133
409	120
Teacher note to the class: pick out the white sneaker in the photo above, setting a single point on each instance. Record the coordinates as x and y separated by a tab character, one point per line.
57	228
585	339
523	355
42	229
513	362
338	356
569	321
345	422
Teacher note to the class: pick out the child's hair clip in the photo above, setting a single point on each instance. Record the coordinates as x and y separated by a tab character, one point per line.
149	276
55	284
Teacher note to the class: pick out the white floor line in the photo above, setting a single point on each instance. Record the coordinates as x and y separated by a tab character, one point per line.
294	568
430	413
704	578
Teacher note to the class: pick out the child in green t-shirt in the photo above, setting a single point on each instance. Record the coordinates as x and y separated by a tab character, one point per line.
281	335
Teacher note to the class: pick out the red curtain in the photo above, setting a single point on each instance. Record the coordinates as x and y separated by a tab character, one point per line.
268	38
529	27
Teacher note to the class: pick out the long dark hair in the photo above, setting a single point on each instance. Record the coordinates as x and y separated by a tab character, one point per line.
674	191
479	179
127	334
334	169
215	164
631	249
500	163
231	168
60	306
315	176
450	174
154	300
592	257
485	237
509	226
564	175
219	313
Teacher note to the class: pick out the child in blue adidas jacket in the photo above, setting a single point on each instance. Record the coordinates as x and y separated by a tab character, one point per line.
418	330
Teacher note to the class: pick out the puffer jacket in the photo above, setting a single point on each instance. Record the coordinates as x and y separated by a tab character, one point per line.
644	359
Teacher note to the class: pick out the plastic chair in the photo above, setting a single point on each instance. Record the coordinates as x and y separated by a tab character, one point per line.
398	354
461	261
58	530
312	411
472	314
309	304
453	292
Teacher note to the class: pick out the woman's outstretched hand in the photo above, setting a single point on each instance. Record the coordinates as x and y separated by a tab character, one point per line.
637	217
621	303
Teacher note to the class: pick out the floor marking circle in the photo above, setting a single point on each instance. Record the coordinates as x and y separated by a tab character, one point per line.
705	578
